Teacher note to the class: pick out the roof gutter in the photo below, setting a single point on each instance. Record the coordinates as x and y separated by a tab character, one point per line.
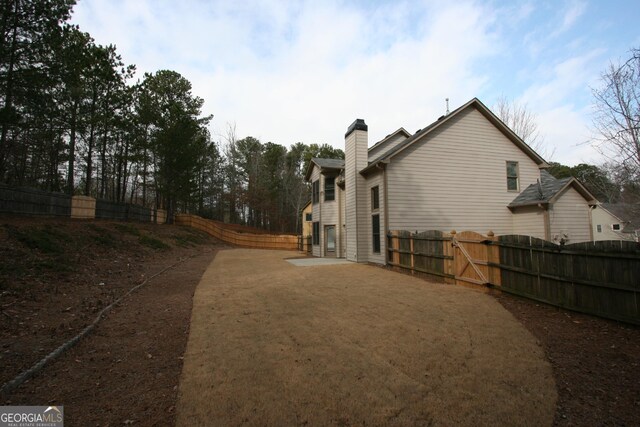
380	164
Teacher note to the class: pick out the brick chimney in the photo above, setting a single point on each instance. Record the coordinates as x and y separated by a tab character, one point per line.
356	151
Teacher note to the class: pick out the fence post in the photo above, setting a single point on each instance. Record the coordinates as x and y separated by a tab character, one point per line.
493	260
395	259
450	265
413	270
83	207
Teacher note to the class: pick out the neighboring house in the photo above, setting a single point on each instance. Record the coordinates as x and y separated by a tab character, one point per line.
465	171
615	222
307	219
327	199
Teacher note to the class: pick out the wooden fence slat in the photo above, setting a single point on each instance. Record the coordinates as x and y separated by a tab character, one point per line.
247	240
600	278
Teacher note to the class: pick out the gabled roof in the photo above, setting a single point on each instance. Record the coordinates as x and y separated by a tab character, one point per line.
627	214
548	189
474	103
383	142
323	164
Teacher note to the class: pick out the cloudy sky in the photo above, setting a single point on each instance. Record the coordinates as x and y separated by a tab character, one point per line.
304	70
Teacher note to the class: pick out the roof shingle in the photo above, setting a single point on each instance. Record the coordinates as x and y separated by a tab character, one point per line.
540	192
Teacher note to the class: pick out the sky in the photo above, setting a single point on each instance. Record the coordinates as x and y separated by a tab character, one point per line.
303	71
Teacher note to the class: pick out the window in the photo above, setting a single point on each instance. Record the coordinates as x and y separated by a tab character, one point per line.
308	217
599	228
315	192
316	233
375	198
512	176
329	188
615	227
375	232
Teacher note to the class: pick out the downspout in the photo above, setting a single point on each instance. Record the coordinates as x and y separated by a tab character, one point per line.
320	223
355	189
547	222
339	226
591	208
386	213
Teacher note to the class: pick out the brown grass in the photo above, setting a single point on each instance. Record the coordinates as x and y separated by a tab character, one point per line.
274	344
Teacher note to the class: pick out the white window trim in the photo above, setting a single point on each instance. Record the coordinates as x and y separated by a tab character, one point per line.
517	177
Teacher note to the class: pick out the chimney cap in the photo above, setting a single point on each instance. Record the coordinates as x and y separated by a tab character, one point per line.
358	124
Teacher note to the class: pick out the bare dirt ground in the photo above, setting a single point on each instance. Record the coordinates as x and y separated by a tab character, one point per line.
596	363
127	371
55	277
275	344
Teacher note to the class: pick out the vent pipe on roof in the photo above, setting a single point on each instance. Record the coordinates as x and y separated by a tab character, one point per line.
540	192
447	102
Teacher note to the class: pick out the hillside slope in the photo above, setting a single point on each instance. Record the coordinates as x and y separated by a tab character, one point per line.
56	275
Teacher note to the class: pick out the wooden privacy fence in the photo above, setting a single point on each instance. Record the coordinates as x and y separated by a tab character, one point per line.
31	202
600	278
304	243
247	240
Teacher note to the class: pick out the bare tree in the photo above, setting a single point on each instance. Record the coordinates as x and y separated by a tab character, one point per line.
233	181
523	122
617	118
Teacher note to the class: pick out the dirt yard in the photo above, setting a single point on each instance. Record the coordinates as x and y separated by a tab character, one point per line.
54	277
596	363
276	344
127	371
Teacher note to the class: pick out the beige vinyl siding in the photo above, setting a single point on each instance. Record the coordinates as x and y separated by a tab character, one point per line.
324	212
316	250
329	214
455	178
570	215
529	221
606	220
356	197
306	225
372	181
340	229
386	147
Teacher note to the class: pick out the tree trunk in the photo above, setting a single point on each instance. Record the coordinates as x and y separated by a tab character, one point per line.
8	102
72	147
90	144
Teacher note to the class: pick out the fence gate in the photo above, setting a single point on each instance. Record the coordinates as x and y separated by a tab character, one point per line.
470	258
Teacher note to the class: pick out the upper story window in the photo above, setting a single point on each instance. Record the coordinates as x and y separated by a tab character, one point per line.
615	227
375	198
308	217
512	176
329	188
599	228
315	192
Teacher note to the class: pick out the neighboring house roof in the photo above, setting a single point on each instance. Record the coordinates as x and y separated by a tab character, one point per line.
474	103
324	164
626	213
548	189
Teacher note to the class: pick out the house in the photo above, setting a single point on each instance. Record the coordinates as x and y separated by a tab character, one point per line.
615	222
307	219
327	201
465	171
561	204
